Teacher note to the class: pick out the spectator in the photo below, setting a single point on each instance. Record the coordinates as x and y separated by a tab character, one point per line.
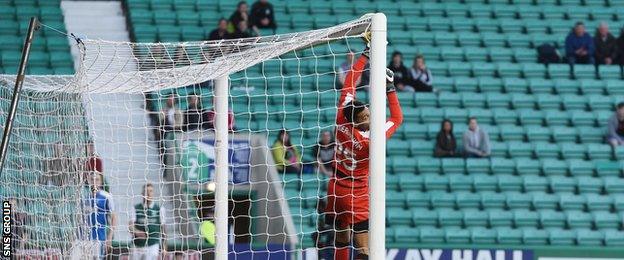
242	31
346	67
606	45
221	32
401	75
324	154
195	117
446	145
262	15
241	14
476	140
94	162
615	133
620	47
147	227
287	157
101	216
420	77
579	46
171	116
210	118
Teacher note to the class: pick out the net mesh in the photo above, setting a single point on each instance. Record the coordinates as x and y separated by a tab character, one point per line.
129	107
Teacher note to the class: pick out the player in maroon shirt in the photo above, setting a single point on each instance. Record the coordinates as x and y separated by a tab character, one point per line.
347	191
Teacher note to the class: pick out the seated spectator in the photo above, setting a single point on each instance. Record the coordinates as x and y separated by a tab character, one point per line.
324	154
286	156
476	140
579	46
605	43
240	14
420	77
615	133
346	67
221	32
262	15
195	117
242	31
401	75
210	119
446	145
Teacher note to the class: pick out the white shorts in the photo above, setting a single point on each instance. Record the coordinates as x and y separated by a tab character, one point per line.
145	253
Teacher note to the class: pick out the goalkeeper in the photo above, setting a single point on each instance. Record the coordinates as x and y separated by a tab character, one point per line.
348	201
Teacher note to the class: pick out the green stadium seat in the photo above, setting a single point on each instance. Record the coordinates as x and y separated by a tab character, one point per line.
599	151
554	167
507	182
532	236
460	182
525	55
573	151
559	71
568	201
614	87
607	72
534	26
560	26
600	102
566	86
508	235
531	117
590	185
431	235
501	55
498	101
545	201
500	218
475	218
515	85
608	168
409	182
480	11
561	184
453	165
556	118
561	237
584	71
414	131
579	167
606	220
440	199
483	69
563	133
591	86
477	166
520	149
437	68
618	202
544	150
436	182
525	218
495	42
533	70
467	200
433	9
462	25
428	165
456	10
450	218
581	118
418	148
511	132
466	39
517	200
549	218
398	216
526	166
498	149
512	26
445	39
614	238
603	116
614	185
437	24
489	85
538	39
403	164
521	101
410	235
508	70
482	235
548	101
571	101
417	199
493	200
458	69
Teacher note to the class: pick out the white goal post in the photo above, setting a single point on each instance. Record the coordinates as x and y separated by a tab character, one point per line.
60	113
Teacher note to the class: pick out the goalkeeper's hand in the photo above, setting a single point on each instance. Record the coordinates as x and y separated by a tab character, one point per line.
390	81
366	36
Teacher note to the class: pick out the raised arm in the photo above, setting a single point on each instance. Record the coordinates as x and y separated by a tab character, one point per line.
396	115
354	74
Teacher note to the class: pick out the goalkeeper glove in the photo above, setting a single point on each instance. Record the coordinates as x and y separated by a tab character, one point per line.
390	81
366	36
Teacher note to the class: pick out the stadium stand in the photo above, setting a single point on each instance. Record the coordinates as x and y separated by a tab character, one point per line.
50	51
551	180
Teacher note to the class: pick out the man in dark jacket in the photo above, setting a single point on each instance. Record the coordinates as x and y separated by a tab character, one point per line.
579	46
401	74
221	32
262	15
605	43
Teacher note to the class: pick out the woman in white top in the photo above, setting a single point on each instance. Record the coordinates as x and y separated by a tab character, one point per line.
421	76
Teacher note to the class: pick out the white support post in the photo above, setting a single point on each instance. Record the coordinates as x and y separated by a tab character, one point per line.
221	167
377	176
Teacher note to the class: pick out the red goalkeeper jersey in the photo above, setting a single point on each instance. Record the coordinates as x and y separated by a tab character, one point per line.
352	154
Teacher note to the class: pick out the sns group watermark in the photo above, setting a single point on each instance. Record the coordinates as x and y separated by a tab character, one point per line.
6	242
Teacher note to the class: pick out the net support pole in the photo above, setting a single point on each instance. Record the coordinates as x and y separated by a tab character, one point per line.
221	167
8	125
377	179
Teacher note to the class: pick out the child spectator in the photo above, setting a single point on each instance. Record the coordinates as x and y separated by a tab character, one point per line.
324	154
262	15
221	32
420	76
401	75
579	46
476	140
446	145
615	133
287	157
605	43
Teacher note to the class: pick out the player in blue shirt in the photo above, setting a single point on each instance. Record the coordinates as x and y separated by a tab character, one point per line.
101	217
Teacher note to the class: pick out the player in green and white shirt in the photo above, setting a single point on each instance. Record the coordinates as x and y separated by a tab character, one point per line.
147	227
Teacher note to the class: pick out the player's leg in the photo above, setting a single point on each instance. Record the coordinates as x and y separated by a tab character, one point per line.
152	252
360	239
342	241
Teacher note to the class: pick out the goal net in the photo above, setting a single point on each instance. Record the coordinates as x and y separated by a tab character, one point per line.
84	147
